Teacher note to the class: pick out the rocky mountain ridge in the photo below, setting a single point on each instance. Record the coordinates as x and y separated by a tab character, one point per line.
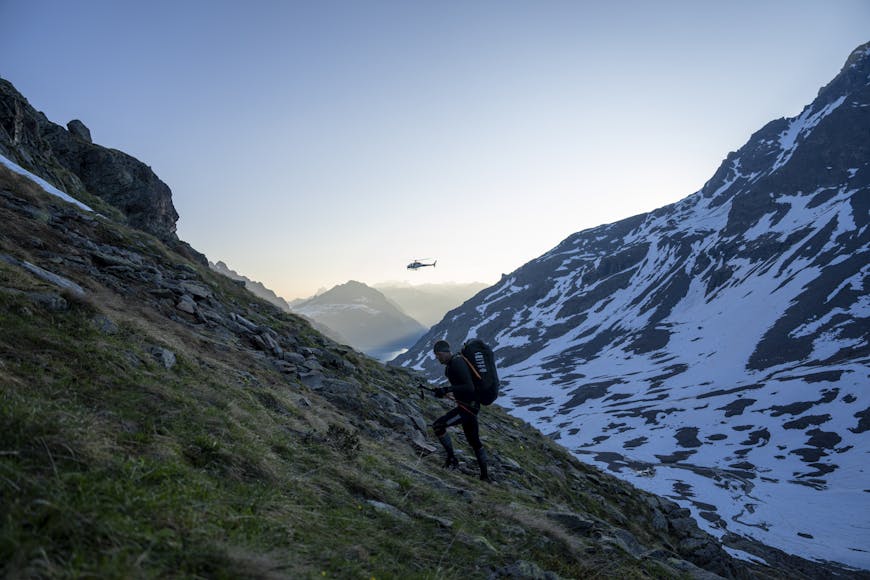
256	288
69	160
716	350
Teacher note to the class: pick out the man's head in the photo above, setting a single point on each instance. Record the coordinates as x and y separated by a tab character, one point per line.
442	351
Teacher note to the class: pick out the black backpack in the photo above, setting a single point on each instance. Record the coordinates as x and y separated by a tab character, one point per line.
484	375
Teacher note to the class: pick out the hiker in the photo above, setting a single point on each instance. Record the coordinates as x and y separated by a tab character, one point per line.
458	372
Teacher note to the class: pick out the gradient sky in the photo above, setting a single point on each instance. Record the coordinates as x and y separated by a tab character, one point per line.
309	143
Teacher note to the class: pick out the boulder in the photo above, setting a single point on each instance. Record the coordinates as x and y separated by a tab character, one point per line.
286	367
311	379
510	465
628	542
659	521
271	344
104	259
419	422
44	274
198	291
443	522
343	394
574	523
104	324
421	445
293	357
79	129
313	365
164	356
398	421
186	304
49	301
389	510
385	402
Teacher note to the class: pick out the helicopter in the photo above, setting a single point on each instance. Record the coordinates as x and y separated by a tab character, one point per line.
416	264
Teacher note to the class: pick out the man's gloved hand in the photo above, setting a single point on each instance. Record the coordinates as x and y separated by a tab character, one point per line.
441	392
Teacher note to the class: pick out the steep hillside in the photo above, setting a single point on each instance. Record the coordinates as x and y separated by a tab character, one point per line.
364	317
716	350
161	421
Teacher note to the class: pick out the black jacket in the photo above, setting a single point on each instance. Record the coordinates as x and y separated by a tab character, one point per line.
457	372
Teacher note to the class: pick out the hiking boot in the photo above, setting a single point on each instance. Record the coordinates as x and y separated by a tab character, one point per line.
481	462
451	462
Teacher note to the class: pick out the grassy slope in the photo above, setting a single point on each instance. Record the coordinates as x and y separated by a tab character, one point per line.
113	465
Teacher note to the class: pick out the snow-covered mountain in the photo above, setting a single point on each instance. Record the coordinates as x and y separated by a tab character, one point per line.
363	318
715	351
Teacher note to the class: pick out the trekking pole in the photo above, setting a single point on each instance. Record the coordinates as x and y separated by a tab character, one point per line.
421	384
423	390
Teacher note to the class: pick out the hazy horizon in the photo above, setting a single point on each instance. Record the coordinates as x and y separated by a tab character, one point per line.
307	144
392	284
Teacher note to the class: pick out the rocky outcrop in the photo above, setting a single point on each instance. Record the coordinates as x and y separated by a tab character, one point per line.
77	128
69	159
179	291
257	288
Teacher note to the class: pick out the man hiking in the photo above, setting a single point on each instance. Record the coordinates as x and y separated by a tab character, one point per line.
458	372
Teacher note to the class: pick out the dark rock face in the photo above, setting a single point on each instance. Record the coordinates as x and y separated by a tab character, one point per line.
79	129
741	308
69	160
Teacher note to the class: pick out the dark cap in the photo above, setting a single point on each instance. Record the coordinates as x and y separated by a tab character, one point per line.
441	346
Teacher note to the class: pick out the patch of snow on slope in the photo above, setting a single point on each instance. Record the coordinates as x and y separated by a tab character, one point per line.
472	332
845	219
800	127
754	501
855	283
713	381
49	188
830	343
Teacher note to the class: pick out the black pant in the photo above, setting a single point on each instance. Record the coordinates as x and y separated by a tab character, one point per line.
465	414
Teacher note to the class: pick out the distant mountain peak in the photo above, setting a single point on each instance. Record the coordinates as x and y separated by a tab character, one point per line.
859	60
257	288
364	317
